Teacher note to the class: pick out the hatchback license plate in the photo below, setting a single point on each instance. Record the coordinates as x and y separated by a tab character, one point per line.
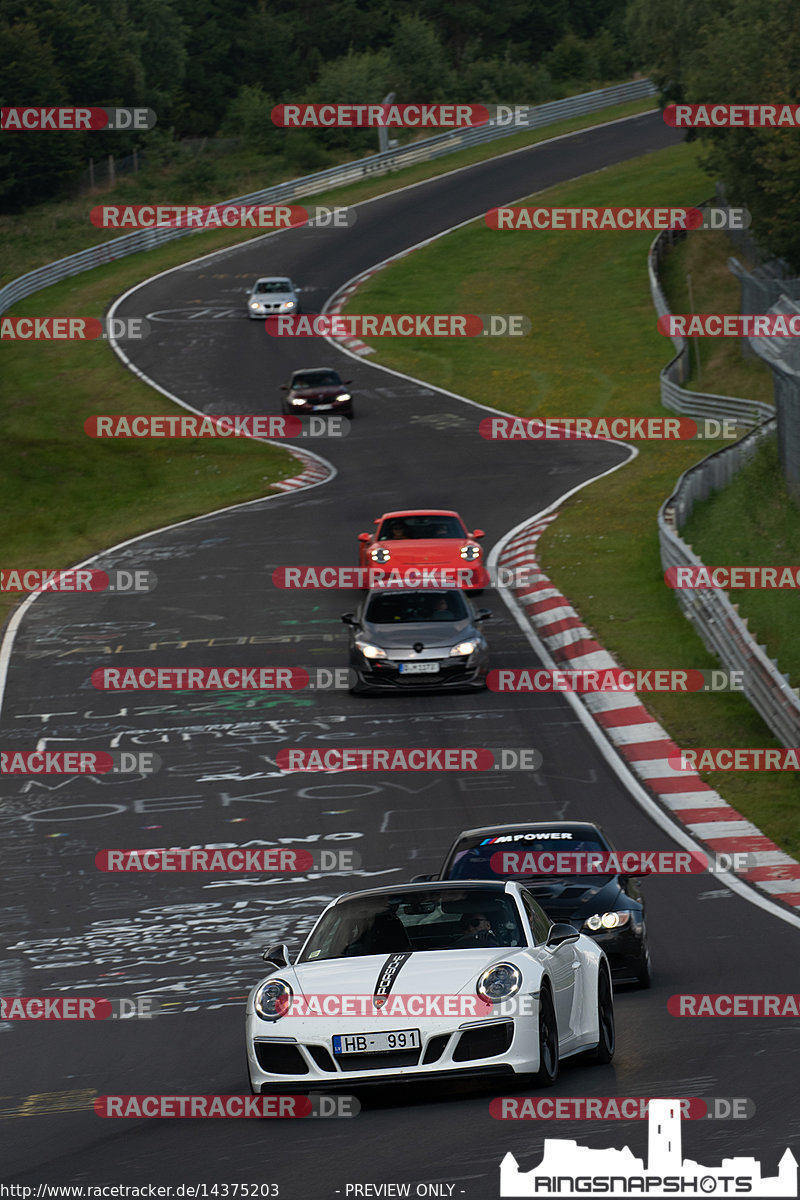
419	668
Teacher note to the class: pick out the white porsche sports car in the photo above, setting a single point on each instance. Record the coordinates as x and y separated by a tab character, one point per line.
428	980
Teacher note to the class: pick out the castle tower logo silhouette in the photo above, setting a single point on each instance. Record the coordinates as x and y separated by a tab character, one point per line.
568	1169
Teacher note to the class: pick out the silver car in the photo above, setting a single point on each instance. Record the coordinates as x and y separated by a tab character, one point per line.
403	639
271	295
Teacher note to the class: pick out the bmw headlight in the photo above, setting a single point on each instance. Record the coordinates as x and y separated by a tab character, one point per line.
470	552
256	304
499	982
609	920
288	304
464	648
379	554
273	999
343	397
297	400
370	651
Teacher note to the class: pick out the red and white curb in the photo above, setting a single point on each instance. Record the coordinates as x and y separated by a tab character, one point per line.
354	345
637	737
314	471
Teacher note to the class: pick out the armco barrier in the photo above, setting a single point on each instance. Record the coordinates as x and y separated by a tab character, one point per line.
710	610
308	185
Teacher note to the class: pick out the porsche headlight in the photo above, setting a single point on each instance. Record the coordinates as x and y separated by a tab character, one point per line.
470	552
499	982
370	651
273	1000
464	648
379	554
609	920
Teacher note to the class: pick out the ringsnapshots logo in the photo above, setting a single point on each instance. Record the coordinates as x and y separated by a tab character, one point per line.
568	1169
215	425
75	120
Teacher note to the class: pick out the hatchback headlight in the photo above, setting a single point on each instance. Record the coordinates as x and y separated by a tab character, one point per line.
609	920
273	999
370	651
464	648
499	982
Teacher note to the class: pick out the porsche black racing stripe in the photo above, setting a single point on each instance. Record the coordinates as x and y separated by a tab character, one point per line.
388	974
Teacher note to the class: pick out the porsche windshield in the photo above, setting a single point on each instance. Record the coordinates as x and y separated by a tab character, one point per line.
428	527
446	919
398	608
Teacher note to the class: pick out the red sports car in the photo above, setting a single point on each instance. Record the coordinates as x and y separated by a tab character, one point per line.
424	537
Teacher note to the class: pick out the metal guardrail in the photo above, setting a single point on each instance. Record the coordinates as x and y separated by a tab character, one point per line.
294	189
746	413
711	612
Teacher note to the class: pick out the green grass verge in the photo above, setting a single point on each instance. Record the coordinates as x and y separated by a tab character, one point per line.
594	351
755	520
64	496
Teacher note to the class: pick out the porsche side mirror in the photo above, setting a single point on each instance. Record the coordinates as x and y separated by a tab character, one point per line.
477	533
364	537
278	955
561	933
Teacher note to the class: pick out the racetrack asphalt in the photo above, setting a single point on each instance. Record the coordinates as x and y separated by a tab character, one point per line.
194	941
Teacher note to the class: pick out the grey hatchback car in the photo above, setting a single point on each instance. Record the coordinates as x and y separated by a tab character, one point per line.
422	640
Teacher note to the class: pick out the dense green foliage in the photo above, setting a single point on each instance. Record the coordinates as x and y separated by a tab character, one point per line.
726	52
209	66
